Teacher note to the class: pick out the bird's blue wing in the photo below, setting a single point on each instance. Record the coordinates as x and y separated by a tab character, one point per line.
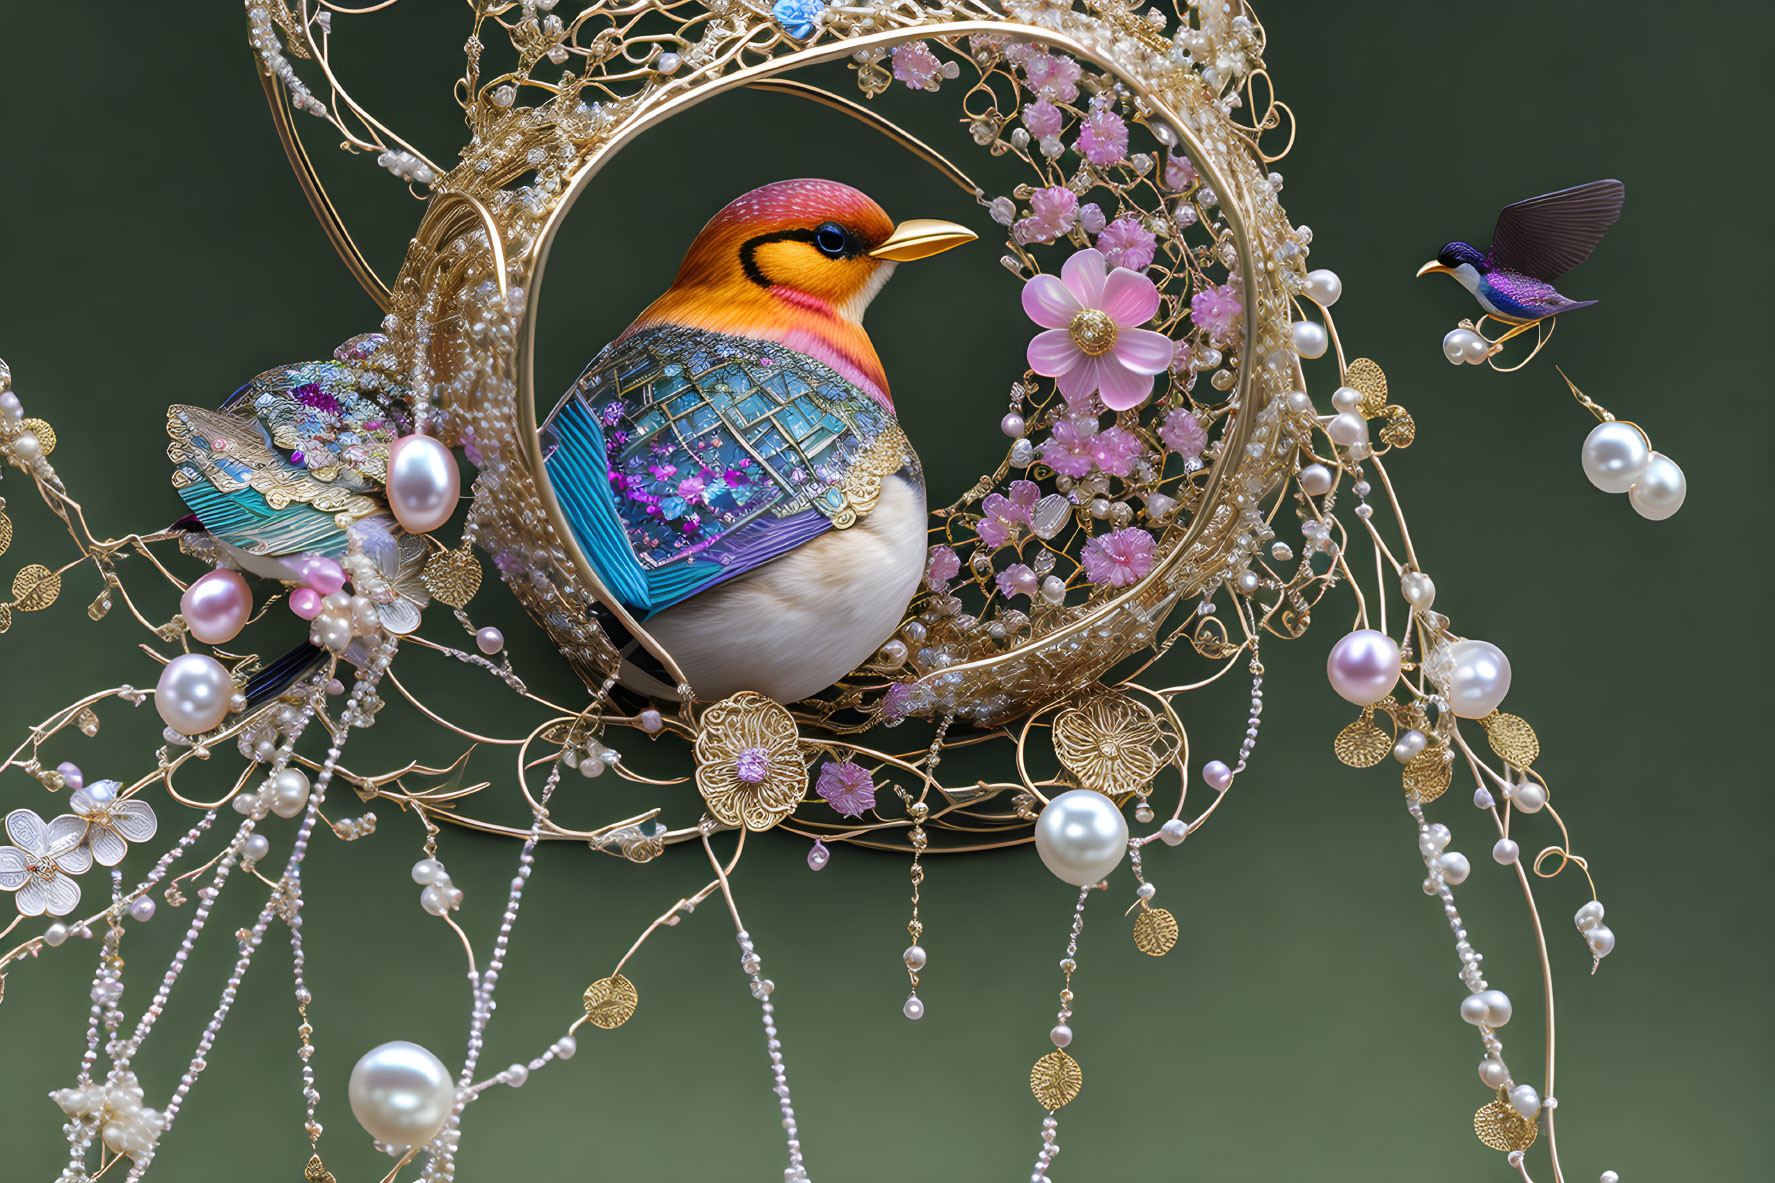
682	458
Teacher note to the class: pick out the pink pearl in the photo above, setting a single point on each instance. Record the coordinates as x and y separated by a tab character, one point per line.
1363	666
305	602
423	483
490	640
72	777
321	573
651	721
216	607
1218	775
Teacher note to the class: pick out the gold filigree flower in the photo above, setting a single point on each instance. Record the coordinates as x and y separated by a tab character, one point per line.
1108	743
749	767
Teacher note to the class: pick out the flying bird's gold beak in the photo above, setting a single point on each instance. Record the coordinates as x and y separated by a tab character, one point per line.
1432	267
920	238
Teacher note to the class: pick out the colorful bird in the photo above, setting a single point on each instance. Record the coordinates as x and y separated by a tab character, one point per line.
1534	243
731	466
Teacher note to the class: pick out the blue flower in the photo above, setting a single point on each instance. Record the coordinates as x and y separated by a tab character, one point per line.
798	16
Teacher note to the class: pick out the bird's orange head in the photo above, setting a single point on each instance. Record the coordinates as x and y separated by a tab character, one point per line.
798	262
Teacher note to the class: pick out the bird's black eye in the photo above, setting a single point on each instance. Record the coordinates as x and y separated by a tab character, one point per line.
832	241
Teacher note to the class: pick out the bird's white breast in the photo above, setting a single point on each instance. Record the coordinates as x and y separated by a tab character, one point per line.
799	623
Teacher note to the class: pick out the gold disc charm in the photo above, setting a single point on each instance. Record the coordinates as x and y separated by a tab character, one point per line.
1368	378
316	1171
1155	932
452	577
44	432
1511	737
1055	1080
1502	1128
610	1001
1362	744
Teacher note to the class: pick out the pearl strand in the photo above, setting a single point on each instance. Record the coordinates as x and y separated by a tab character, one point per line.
761	990
1061	1036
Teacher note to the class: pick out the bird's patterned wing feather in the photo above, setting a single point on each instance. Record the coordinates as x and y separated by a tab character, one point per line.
683	458
1547	236
295	455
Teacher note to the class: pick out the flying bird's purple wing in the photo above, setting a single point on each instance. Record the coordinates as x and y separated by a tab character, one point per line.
1547	236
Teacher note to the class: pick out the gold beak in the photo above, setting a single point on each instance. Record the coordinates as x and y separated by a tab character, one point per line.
920	238
1432	267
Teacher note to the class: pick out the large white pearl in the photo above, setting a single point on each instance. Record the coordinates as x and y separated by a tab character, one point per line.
1660	489
1309	338
1614	455
1081	836
1525	1100
1315	480
289	792
1457	344
1347	429
423	484
193	692
1478	680
1323	287
1363	666
401	1094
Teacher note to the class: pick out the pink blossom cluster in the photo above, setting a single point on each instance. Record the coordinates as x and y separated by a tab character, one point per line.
1052	213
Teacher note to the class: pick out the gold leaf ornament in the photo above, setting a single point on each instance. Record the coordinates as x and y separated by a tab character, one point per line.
35	588
1366	376
1401	428
1427	776
316	1171
5	530
1502	1128
749	766
1511	737
452	577
1108	743
1362	744
1155	932
610	1002
1055	1080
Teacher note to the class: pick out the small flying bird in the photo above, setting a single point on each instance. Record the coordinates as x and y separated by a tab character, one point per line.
1534	243
731	465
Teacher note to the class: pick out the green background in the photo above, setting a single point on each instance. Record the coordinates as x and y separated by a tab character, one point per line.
154	249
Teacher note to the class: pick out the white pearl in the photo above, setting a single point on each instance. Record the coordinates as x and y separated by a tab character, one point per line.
914	1009
1475	350
435	900
55	934
1525	1100
565	1047
1589	916
1346	398
142	908
914	957
1505	852
1473	1009
1300	402
289	793
1347	429
1601	940
1660	490
1493	1074
1322	287
1315	480
1411	745
1173	832
193	692
1418	589
401	1094
256	847
1498	1008
1479	678
1456	344
1309	338
1608	1177
426	871
1529	797
1455	868
1147	891
423	483
1061	1035
1614	454
1081	836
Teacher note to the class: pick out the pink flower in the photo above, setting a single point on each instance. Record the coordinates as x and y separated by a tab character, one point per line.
1000	516
943	566
692	489
1052	77
1052	213
1180	174
917	66
1103	137
1118	558
1116	451
1093	343
1017	580
1069	450
1182	433
1215	310
1043	119
1126	243
847	787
